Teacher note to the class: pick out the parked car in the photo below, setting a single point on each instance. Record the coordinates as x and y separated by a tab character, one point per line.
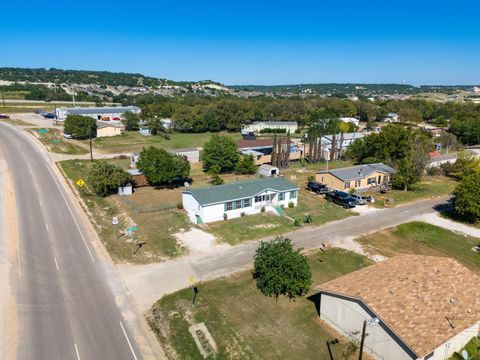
67	136
4	116
115	220
116	119
316	187
341	198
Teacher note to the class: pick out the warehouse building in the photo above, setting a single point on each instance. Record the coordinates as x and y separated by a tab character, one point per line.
104	113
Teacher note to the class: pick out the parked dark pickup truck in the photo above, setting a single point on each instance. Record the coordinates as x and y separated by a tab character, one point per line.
317	187
341	198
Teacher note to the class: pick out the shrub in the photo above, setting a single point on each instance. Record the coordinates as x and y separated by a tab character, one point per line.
180	205
246	165
291	205
297	222
298	131
225	216
434	171
243	214
311	178
307	219
216	180
262	209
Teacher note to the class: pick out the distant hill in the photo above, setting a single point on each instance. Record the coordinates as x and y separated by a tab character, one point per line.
87	77
334	88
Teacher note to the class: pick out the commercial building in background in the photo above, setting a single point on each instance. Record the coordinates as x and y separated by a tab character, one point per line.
258	126
215	203
413	307
104	113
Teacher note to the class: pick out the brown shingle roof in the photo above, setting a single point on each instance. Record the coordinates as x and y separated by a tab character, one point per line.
242	144
412	294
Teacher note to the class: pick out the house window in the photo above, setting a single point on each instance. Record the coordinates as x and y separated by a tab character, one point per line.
246	202
293	194
258	199
228	206
379	179
238	204
371	180
346	184
357	183
281	196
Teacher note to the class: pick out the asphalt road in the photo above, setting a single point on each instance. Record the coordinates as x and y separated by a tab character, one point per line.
66	308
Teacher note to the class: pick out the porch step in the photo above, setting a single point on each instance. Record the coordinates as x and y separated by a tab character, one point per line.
199	219
279	211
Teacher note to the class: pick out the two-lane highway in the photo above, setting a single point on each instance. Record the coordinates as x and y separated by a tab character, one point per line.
66	309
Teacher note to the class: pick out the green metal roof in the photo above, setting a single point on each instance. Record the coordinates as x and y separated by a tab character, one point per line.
239	190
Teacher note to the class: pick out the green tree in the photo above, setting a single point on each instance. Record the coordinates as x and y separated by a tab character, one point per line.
131	121
80	126
104	178
280	270
161	167
466	197
465	165
406	175
220	151
246	165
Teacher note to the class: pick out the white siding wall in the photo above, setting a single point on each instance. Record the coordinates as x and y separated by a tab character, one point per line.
456	343
347	318
211	213
191	206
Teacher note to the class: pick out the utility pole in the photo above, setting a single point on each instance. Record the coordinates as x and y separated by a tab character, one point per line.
3	96
90	140
362	340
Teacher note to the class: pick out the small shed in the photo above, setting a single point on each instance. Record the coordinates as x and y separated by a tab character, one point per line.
268	170
138	178
145	131
125	190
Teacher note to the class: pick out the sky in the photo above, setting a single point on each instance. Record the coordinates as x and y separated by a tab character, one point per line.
250	42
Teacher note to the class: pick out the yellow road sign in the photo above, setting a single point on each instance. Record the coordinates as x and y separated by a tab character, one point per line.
80	182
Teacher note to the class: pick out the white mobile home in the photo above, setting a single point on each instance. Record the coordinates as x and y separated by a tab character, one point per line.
258	126
214	203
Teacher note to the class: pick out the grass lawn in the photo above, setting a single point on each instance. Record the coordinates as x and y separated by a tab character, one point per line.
157	221
247	325
131	141
473	350
252	227
428	187
54	142
422	238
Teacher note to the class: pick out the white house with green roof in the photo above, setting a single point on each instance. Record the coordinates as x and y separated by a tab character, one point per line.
204	205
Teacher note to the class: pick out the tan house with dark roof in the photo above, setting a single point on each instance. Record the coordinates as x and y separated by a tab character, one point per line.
428	307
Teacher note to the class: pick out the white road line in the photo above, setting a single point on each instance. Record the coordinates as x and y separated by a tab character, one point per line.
71	212
76	351
128	340
56	264
46	225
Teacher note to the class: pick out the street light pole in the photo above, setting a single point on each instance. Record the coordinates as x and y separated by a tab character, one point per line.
373	321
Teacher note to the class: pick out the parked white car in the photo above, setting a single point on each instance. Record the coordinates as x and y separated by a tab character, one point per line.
115	220
67	136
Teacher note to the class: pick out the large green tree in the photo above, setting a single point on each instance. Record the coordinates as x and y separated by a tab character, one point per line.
280	270
466	197
220	152
131	121
161	167
246	165
80	127
104	178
